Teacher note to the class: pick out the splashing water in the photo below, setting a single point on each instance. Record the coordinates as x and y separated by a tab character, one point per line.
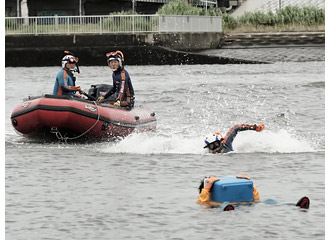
151	143
245	142
270	142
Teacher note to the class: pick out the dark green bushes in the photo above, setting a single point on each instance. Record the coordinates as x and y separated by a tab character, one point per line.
117	23
181	7
290	17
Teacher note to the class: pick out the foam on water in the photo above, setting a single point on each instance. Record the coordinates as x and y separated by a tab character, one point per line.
151	143
270	142
245	142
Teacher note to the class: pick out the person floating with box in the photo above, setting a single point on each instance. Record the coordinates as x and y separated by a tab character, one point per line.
233	190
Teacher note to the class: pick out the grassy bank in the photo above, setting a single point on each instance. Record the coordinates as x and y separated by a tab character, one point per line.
288	19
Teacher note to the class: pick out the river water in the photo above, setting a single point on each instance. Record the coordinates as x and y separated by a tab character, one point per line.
146	186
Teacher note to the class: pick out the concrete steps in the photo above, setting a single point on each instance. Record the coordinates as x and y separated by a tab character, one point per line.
266	39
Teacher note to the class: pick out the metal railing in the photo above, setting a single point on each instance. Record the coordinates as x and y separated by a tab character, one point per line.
110	24
153	1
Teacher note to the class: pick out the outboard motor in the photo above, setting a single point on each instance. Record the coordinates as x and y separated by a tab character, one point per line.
98	89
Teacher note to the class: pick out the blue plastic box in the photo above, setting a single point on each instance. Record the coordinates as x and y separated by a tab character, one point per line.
232	189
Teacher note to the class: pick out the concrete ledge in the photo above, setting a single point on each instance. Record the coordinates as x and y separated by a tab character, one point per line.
95	56
178	41
139	49
145	49
188	41
265	39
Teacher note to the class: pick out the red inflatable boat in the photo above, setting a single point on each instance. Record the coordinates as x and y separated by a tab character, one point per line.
68	118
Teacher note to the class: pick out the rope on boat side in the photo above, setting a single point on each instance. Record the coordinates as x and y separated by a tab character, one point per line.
60	137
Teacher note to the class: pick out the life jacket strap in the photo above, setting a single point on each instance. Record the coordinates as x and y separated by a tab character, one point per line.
124	83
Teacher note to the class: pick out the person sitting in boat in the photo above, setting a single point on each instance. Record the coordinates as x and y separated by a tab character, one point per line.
219	144
65	83
122	92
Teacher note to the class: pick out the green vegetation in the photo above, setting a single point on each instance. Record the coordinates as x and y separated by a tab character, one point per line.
10	22
181	7
290	18
118	23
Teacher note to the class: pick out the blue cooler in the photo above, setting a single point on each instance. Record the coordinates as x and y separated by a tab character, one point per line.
232	189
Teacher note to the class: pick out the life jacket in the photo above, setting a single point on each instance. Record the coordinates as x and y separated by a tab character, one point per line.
204	196
127	101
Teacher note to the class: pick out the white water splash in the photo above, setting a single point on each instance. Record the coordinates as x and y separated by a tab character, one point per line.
245	142
151	143
270	142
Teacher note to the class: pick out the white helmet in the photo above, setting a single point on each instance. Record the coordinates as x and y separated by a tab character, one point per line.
70	59
213	137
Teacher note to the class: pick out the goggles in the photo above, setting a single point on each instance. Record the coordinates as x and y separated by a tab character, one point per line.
114	55
73	60
213	145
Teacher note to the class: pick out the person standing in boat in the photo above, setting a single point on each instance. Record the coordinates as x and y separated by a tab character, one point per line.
219	144
65	83
122	92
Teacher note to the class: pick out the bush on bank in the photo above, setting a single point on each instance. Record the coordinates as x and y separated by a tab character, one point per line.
290	18
181	7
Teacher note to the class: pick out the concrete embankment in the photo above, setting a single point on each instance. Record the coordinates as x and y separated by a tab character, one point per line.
151	48
143	49
273	47
241	40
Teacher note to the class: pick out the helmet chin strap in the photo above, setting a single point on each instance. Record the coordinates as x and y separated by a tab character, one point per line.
75	69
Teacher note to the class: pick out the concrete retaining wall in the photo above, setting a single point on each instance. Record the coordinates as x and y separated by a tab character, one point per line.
272	39
149	48
144	49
